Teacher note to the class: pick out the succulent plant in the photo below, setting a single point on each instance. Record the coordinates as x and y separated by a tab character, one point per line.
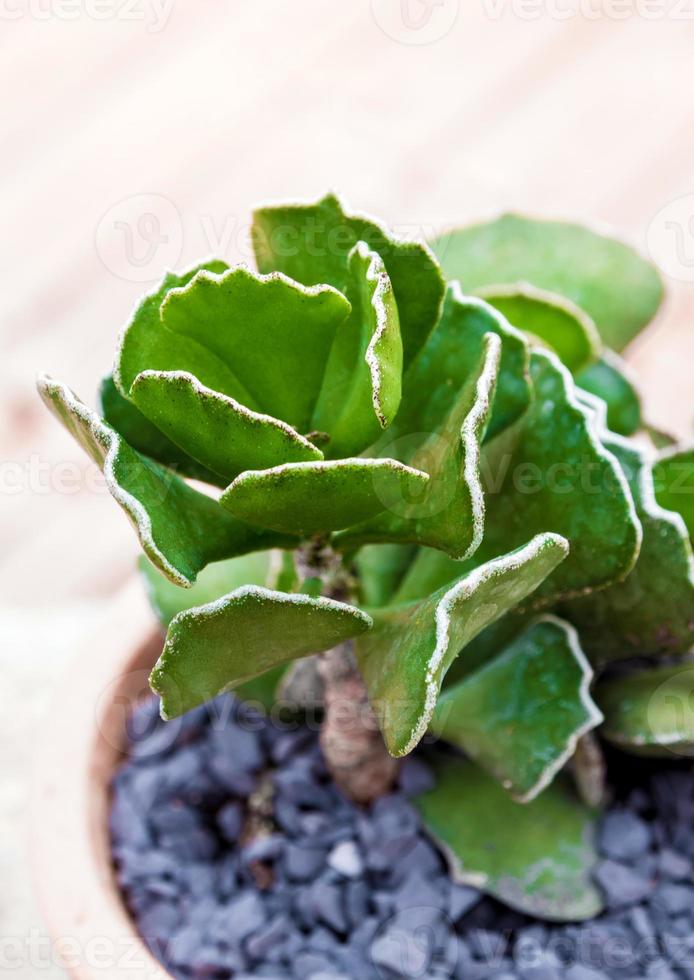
426	477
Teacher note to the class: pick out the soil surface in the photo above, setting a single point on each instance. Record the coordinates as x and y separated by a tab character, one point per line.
239	859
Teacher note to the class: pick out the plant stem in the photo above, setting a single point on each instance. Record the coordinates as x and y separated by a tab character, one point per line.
353	748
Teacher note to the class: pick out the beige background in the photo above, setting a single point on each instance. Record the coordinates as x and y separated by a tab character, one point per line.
193	112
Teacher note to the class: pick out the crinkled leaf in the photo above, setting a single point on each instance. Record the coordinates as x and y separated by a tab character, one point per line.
310	498
272	335
449	514
405	657
603	276
137	430
245	336
180	529
312	243
558	477
452	354
219	432
650	712
363	379
651	612
146	344
608	378
521	715
537	857
554	320
218	646
673	479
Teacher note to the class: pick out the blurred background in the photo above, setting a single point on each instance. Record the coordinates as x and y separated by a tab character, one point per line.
138	134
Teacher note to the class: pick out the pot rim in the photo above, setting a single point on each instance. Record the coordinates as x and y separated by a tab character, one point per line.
79	743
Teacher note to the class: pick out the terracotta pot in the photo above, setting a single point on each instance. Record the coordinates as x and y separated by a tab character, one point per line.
82	742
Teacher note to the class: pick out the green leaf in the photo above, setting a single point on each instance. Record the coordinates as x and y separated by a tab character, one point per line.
145	344
433	383
218	646
554	320
311	498
558	477
603	276
362	385
219	432
180	529
449	514
673	480
650	712
609	379
248	337
312	243
404	659
521	715
536	857
274	334
380	569
146	438
651	612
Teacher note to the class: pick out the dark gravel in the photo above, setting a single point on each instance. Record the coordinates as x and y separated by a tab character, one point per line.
327	891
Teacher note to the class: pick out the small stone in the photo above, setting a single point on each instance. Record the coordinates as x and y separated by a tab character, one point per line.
266	937
267	847
327	906
159	921
230	821
418	891
346	859
673	898
240	918
672	864
622	887
623	835
356	901
303	863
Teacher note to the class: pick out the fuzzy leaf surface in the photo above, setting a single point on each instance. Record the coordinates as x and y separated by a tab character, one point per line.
310	498
312	242
651	612
449	514
404	659
221	433
556	476
137	430
218	646
650	712
271	335
608	379
520	716
536	857
361	390
554	320
616	287
180	529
